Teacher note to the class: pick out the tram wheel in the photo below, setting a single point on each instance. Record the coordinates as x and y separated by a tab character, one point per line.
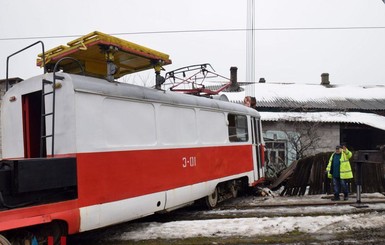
212	199
4	241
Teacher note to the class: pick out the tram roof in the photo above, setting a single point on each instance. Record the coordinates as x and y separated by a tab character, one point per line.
130	91
91	51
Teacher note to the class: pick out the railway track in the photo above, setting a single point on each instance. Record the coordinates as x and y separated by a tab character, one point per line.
298	201
266	207
255	209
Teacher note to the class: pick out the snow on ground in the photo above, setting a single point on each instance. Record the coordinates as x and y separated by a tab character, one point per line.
339	218
253	226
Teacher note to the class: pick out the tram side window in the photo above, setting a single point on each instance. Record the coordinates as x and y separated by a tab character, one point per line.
237	128
259	131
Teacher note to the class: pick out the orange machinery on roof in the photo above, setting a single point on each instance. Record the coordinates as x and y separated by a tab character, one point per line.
103	55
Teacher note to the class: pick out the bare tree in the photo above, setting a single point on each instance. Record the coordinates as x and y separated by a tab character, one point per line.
304	138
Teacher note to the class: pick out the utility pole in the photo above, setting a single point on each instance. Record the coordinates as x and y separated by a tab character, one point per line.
250	47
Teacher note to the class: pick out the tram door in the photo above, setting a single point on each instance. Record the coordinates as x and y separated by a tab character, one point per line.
31	104
258	153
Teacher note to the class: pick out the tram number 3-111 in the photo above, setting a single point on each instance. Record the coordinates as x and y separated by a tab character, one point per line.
189	162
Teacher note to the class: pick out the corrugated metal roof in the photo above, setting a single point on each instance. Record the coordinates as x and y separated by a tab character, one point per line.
313	96
369	119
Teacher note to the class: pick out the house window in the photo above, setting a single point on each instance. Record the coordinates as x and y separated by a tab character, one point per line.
276	152
238	128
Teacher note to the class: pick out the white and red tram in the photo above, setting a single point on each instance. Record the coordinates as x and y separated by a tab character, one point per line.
120	152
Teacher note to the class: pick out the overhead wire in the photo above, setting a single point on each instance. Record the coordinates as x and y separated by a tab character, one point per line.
203	31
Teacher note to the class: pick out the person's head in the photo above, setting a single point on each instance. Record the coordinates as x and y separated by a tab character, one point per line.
338	149
246	101
253	102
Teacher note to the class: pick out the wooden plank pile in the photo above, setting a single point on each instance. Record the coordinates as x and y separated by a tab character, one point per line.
308	176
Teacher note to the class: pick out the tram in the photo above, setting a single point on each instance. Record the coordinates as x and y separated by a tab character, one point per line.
83	151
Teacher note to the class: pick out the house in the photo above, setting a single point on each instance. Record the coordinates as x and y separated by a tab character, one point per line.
305	119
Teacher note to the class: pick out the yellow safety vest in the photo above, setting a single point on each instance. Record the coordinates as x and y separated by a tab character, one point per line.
345	168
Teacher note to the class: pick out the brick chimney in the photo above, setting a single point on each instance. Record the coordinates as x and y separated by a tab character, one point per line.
325	79
233	78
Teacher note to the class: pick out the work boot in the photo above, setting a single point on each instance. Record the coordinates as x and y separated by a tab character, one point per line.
336	198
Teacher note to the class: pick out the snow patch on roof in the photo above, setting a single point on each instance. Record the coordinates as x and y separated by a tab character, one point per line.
311	92
369	119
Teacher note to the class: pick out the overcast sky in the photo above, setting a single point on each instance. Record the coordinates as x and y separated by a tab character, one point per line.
282	55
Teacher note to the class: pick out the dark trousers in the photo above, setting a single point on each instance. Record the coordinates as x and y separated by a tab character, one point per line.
340	185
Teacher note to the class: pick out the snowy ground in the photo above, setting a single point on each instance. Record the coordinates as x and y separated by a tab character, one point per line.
264	221
253	226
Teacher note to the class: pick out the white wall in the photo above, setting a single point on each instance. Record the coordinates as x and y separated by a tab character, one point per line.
329	134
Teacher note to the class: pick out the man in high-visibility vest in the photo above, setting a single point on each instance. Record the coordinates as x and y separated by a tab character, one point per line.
340	171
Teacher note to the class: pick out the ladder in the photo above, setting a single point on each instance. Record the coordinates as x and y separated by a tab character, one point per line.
44	115
43	134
